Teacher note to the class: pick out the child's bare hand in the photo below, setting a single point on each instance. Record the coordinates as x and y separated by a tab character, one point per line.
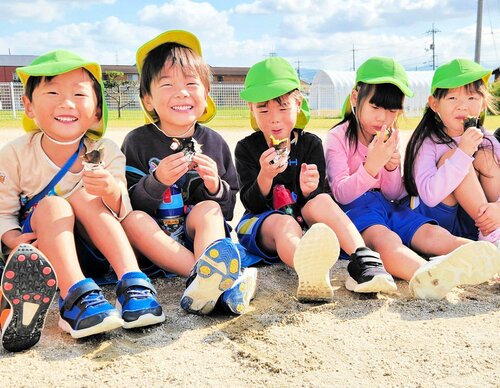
394	162
380	152
171	168
488	218
207	168
470	140
267	169
14	237
99	182
309	178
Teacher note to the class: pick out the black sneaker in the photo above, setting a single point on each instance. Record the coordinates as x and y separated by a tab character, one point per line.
497	134
367	273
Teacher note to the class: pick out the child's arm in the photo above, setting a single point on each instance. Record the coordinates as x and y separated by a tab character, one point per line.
346	185
435	184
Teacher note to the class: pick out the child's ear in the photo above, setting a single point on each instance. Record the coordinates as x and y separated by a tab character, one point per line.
250	106
354	98
28	107
432	102
148	102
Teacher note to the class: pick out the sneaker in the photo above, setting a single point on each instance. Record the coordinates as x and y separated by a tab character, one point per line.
86	312
316	253
27	289
472	263
238	297
136	301
367	273
214	272
497	133
493	237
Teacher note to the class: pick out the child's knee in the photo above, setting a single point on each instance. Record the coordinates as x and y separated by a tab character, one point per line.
53	204
207	207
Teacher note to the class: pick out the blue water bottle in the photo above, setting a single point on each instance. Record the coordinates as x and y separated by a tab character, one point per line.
171	213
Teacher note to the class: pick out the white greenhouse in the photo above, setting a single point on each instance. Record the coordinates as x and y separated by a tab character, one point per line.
329	90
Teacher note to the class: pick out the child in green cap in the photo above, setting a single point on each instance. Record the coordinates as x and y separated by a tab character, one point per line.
364	172
181	176
282	175
452	164
60	181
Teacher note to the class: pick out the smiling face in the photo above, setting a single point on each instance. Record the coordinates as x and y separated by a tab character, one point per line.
179	97
455	106
277	118
65	106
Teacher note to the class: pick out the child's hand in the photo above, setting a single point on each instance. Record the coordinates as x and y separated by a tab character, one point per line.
207	168
470	141
488	218
309	178
14	237
171	168
381	152
100	183
394	162
267	169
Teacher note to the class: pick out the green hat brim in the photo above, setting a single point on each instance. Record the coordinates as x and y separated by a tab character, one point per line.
52	68
462	80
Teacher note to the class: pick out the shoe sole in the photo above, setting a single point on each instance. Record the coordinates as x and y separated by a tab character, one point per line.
379	283
473	263
316	253
216	271
29	285
238	297
108	324
144	320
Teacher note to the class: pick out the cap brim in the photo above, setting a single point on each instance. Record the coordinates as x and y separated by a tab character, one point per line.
303	117
174	36
461	80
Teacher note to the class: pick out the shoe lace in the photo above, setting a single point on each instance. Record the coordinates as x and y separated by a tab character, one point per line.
138	293
93	298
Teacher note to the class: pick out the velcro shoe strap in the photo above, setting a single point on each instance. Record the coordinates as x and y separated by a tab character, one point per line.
134	282
78	292
367	256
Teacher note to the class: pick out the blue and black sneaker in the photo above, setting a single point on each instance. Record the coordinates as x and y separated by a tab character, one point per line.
214	272
28	287
86	312
238	297
136	301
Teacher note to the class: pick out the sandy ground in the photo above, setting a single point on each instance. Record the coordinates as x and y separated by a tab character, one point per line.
357	340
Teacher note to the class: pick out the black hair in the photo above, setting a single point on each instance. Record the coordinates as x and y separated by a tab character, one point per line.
174	53
34	81
431	126
386	96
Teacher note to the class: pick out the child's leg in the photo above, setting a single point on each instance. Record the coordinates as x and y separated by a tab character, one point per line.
433	240
53	221
489	173
205	224
323	209
398	260
105	232
145	235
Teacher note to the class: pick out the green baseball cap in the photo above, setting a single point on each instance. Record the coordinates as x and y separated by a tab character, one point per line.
59	62
458	72
380	70
269	79
183	38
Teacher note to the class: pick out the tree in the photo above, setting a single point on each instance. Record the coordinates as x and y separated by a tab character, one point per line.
119	89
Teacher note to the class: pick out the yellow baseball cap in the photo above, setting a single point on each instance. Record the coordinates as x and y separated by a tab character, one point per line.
183	38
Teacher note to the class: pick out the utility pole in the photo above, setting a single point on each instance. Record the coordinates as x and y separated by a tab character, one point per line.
479	27
433	46
353	58
298	67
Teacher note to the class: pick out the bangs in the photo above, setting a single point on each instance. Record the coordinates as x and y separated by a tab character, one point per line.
387	96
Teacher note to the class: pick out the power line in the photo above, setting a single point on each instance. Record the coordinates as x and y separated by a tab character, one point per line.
433	45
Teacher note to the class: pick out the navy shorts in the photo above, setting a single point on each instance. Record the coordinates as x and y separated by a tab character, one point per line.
372	208
452	218
248	234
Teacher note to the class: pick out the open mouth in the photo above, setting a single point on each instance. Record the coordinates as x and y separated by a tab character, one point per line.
66	119
182	108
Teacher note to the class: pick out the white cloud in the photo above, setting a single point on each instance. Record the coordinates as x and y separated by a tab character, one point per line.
40	10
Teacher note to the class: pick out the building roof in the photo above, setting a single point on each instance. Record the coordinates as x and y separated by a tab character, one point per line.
125	69
16	60
241	71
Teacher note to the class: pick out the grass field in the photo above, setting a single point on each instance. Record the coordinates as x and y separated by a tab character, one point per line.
133	119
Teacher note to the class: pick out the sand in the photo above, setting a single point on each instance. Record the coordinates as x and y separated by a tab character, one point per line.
356	340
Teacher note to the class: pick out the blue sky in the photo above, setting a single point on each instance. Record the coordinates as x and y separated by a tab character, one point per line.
320	34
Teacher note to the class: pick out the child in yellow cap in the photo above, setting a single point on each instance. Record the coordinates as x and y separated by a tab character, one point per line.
181	175
364	173
452	163
49	197
282	173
